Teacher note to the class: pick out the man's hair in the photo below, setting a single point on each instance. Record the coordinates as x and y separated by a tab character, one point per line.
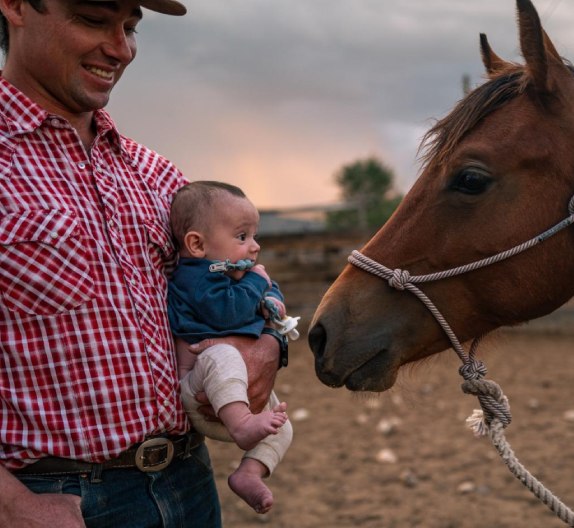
192	205
38	5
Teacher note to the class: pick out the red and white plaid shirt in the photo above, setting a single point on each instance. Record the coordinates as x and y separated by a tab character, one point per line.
87	364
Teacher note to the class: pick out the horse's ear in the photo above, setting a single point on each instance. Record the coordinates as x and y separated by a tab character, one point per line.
550	47
532	44
492	62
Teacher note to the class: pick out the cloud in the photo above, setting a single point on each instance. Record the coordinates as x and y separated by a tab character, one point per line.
277	95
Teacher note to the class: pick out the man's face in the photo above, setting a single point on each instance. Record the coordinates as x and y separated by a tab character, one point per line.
69	56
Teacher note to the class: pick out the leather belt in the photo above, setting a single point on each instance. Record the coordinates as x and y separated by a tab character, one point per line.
154	454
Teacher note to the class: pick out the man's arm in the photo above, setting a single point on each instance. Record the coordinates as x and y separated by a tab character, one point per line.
20	508
261	358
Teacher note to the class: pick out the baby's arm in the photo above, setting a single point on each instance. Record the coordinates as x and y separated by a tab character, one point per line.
260	270
273	308
225	303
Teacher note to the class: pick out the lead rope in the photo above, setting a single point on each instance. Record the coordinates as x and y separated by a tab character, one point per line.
495	414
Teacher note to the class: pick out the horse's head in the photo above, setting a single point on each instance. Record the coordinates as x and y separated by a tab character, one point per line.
498	170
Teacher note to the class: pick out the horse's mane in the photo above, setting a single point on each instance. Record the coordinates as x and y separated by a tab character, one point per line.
439	142
446	134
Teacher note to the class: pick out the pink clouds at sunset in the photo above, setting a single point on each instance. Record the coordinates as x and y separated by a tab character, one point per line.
277	95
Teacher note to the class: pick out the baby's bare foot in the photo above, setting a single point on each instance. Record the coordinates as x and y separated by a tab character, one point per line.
252	490
252	428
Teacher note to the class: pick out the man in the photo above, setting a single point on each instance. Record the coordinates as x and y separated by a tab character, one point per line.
92	427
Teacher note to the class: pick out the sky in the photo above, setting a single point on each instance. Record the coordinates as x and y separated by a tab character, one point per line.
276	96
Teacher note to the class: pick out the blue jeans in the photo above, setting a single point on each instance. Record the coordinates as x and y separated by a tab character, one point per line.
181	496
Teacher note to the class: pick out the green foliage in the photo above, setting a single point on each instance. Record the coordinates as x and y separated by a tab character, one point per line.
367	187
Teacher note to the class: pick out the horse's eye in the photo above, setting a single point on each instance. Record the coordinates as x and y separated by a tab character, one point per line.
471	181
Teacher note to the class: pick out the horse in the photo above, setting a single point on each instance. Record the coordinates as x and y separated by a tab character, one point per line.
497	171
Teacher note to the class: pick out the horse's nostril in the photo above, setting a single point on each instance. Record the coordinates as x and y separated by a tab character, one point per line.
317	340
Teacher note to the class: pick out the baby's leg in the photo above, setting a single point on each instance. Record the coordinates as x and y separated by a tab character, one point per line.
247	482
246	428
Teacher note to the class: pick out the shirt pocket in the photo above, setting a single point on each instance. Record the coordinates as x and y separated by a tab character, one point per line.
43	262
161	249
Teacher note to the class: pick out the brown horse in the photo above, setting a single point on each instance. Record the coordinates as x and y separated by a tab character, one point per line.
498	171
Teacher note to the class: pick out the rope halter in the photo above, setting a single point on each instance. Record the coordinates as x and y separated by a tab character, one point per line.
495	414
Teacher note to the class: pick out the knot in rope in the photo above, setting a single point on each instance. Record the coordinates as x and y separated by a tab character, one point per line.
399	279
472	370
492	400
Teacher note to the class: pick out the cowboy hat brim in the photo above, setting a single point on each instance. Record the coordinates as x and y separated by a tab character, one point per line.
166	7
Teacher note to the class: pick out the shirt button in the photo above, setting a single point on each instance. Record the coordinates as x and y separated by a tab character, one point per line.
55	122
81	165
54	234
166	403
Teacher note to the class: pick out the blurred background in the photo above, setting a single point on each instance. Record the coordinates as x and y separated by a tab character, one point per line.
316	108
277	95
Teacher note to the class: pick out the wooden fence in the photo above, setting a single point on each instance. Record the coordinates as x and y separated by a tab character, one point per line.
306	264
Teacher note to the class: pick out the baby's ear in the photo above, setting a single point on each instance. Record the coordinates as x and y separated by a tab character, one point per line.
194	246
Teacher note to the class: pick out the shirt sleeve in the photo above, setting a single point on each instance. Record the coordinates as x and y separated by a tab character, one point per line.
275	292
227	303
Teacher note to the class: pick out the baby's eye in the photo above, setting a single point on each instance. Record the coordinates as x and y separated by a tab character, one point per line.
242	237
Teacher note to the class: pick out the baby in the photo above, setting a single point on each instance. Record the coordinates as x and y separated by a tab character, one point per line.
218	290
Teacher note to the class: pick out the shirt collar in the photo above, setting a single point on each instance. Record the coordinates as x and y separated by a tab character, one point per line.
23	115
19	112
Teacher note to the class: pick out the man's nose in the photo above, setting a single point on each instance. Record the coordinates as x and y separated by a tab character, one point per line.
120	45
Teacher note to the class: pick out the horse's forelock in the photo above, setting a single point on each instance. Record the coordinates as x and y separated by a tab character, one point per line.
439	142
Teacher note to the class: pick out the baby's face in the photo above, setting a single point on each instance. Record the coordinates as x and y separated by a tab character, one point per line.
233	232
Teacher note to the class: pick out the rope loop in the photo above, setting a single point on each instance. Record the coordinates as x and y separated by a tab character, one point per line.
492	400
399	279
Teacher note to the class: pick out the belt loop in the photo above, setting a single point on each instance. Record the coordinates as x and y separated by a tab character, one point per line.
187	451
96	474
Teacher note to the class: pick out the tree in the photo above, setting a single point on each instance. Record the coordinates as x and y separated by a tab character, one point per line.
367	187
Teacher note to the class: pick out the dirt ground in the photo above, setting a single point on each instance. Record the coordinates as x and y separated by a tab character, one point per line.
406	459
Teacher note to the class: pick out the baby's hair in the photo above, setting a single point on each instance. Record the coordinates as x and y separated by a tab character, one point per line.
192	204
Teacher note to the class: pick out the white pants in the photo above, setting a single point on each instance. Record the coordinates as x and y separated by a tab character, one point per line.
221	373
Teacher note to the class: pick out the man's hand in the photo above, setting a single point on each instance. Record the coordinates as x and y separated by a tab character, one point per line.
20	508
185	357
261	358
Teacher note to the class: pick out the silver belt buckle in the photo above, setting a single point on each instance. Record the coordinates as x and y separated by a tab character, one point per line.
154	454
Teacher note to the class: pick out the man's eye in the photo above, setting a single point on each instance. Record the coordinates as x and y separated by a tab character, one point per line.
471	181
91	20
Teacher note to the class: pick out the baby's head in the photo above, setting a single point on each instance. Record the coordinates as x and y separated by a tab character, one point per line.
215	221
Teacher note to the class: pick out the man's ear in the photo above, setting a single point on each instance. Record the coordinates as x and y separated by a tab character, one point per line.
193	242
12	10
